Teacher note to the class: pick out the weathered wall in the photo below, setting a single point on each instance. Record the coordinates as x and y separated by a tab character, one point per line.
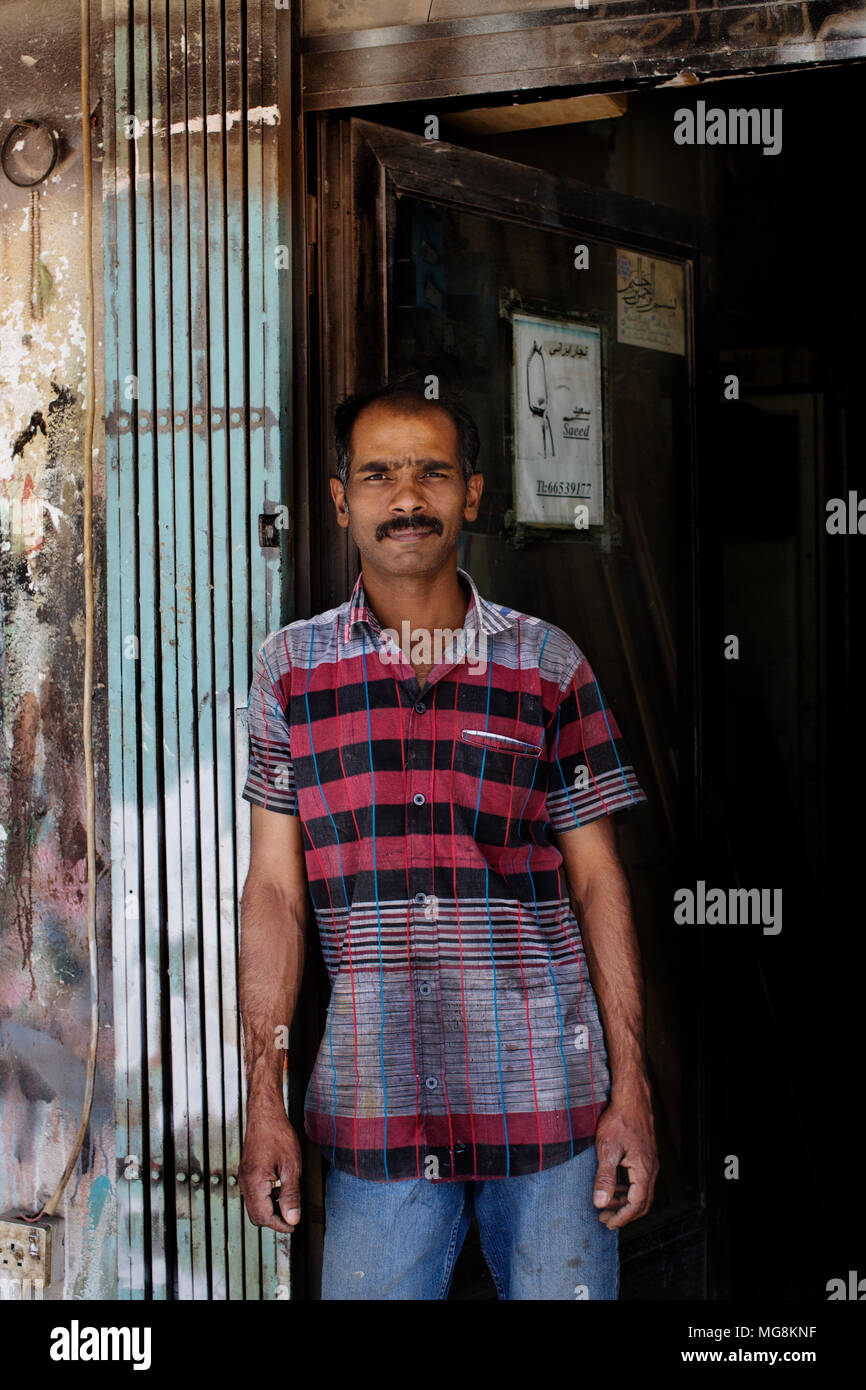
44	975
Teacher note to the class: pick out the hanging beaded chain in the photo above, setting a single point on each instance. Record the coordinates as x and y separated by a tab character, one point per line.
35	253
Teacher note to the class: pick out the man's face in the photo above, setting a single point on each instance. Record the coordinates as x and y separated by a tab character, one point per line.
406	500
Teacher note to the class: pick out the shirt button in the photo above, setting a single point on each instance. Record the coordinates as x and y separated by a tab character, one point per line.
420	707
425	988
420	897
431	1083
419	798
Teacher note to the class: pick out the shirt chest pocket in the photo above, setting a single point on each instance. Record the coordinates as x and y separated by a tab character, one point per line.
507	783
500	760
489	742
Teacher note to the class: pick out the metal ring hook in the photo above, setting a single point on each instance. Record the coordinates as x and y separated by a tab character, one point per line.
11	134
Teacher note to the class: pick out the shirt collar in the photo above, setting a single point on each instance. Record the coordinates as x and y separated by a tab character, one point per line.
480	613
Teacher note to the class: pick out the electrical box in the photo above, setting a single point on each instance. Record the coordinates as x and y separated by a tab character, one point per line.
25	1256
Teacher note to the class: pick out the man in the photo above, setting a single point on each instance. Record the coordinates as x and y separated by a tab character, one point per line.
411	753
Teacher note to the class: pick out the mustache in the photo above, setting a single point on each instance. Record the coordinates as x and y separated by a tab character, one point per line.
408	523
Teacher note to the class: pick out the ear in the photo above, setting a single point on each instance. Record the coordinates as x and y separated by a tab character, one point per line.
338	493
474	488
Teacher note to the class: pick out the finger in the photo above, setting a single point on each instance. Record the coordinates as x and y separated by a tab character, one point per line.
256	1193
614	1206
643	1170
276	1223
289	1192
619	1197
605	1179
634	1206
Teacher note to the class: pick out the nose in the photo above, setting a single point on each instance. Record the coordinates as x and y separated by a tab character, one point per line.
407	497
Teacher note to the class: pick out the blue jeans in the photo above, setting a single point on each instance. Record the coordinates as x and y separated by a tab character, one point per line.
540	1235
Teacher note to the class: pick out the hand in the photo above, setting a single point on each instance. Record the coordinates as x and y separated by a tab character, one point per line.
625	1136
271	1167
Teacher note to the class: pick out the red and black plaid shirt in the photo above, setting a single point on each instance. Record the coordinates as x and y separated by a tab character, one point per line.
463	1038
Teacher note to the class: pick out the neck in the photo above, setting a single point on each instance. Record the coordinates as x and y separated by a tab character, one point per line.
424	601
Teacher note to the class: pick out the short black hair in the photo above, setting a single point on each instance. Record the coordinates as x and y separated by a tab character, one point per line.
406	394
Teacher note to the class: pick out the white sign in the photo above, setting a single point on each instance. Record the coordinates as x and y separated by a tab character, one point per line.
650	303
557	413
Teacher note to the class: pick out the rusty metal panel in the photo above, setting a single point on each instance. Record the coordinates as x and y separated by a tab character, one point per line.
121	538
188	74
269	266
176	616
143	406
231	628
194	457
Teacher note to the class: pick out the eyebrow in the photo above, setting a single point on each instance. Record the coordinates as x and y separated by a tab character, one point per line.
381	465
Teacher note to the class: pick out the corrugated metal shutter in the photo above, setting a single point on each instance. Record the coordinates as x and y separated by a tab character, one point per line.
195	367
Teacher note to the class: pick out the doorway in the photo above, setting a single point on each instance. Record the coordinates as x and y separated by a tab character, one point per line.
433	259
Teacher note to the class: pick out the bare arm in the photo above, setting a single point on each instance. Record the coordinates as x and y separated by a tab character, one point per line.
274	911
601	899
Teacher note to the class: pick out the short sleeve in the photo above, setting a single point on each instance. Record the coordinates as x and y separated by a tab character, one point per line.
270	781
590	768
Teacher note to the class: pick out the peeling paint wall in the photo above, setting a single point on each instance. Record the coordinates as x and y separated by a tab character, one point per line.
44	973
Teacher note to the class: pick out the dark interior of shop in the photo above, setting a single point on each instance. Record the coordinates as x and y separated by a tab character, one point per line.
745	758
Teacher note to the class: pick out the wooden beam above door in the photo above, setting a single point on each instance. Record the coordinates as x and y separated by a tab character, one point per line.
529	115
565	47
